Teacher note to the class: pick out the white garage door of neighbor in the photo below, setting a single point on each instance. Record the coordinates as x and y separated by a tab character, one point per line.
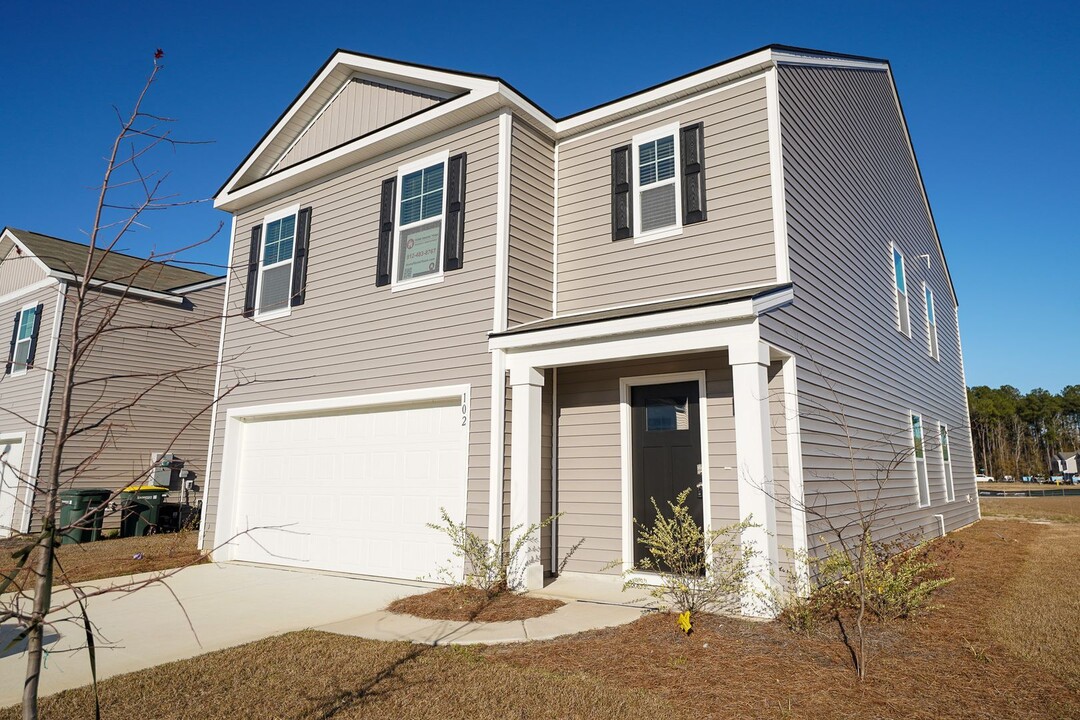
353	492
11	455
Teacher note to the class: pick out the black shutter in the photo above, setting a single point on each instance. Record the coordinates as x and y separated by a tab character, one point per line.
33	338
300	257
692	142
252	270
14	339
622	201
386	231
455	213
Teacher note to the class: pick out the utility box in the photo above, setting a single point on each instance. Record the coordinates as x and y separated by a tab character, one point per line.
165	470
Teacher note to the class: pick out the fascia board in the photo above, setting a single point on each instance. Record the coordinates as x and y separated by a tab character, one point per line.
19	244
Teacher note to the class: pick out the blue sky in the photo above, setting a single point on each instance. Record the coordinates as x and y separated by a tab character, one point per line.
991	97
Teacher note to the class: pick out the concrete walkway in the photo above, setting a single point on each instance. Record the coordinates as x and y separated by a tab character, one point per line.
212	607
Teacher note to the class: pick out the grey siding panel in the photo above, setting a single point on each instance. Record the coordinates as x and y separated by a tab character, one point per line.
362	106
734	248
778	403
532	217
165	408
17	271
851	189
589	464
352	338
20	396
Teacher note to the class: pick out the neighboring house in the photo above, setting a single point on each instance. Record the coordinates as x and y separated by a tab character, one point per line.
449	298
129	404
1065	463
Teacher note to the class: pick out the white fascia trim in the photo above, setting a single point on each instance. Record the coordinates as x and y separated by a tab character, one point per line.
195	287
165	297
373	400
555	240
652	323
497	447
502	224
776	175
217	390
626	456
794	58
22	292
527	108
43	406
26	251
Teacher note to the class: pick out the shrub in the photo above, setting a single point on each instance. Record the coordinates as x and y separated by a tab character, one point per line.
695	571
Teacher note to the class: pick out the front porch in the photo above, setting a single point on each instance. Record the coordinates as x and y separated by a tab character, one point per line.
573	450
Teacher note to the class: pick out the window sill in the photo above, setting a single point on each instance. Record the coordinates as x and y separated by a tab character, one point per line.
276	315
658	234
18	373
410	284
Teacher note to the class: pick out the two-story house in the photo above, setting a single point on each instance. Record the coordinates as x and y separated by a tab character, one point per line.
147	347
446	297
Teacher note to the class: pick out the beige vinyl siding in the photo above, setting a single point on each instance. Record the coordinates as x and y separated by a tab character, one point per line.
20	396
361	107
151	390
17	271
851	189
352	338
590	442
532	214
733	248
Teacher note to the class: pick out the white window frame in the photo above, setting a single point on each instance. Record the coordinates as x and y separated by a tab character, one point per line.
922	482
931	322
274	217
436	277
946	462
636	142
900	320
29	340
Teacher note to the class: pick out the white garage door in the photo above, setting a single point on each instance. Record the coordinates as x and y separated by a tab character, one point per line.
353	491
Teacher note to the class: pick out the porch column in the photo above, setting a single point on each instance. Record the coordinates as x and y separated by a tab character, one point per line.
753	447
526	386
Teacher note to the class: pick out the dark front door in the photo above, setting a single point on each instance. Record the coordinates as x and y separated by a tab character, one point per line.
666	451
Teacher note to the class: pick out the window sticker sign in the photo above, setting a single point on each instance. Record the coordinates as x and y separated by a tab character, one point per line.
419	253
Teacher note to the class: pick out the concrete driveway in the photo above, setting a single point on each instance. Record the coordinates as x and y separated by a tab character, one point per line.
226	604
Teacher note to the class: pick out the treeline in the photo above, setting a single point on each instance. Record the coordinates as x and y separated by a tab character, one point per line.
1016	434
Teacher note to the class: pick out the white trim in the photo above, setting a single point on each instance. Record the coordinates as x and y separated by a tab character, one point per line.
217	389
21	477
906	315
259	315
946	465
22	292
931	324
314	119
29	340
626	451
796	488
791	57
19	244
915	458
555	240
320	405
46	399
160	296
655	323
652	135
776	175
195	287
502	224
526	462
396	284
496	444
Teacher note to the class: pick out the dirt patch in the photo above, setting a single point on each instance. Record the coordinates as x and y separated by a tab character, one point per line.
110	558
472	605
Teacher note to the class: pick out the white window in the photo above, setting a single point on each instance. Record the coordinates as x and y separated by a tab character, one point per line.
946	462
24	338
657	190
903	319
931	323
276	264
919	446
421	215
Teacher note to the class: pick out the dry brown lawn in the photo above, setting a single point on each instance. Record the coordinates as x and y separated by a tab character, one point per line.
111	558
999	645
470	604
1058	509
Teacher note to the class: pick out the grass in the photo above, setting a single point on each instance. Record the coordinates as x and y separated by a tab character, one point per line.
999	645
470	604
1057	509
110	558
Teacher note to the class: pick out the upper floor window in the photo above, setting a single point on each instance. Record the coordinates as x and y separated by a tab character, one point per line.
656	187
931	323
277	270
903	318
946	461
24	340
919	452
420	224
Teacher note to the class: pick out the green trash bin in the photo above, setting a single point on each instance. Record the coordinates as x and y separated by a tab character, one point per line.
74	504
139	508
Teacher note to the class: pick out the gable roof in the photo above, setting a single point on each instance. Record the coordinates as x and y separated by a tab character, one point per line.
67	259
